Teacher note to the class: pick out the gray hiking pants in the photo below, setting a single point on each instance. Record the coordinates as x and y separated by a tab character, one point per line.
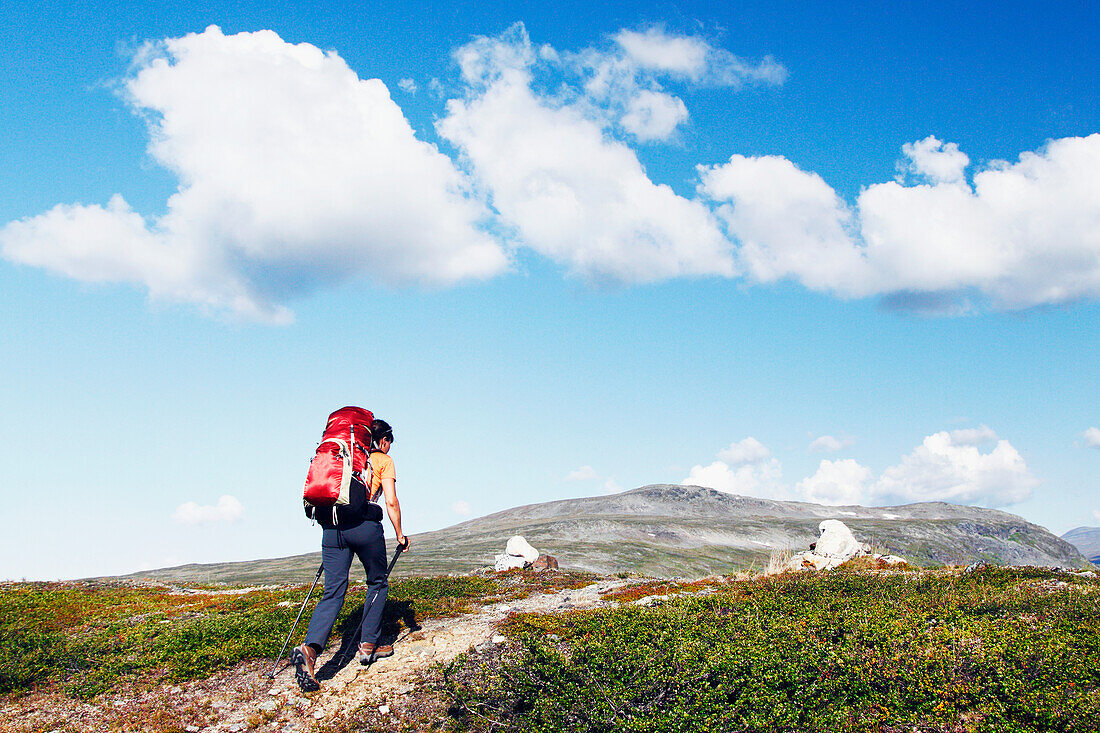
366	542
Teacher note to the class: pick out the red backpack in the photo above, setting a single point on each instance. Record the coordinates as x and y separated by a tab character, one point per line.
341	455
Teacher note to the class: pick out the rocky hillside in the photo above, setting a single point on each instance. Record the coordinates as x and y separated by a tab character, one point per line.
668	530
1087	540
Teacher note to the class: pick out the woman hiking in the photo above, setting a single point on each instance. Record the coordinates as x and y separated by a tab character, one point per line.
358	532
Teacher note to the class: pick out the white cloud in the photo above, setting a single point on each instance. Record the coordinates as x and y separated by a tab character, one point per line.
584	473
972	436
228	509
829	444
1022	234
748	450
789	223
941	470
654	49
760	479
746	467
611	486
653	115
836	483
569	191
694	58
937	161
946	466
315	178
461	508
1092	437
1096	515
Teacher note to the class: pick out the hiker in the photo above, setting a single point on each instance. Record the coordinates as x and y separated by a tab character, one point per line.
357	531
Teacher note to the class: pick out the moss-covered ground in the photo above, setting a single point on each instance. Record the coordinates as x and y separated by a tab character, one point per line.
994	650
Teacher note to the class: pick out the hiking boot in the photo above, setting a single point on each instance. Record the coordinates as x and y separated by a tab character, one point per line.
370	652
304	658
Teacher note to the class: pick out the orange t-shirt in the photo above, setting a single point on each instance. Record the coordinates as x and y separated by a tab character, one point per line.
381	466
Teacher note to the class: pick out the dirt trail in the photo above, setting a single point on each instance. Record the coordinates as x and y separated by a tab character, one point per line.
387	686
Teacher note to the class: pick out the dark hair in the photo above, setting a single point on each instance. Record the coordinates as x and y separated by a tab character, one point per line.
380	429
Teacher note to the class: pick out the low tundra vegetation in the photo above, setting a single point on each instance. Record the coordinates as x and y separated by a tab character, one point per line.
994	650
89	637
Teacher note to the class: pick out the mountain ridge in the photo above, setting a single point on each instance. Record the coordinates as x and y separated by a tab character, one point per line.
1086	540
689	531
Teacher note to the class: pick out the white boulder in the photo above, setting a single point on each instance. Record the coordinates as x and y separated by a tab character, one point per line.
837	541
508	562
519	547
836	546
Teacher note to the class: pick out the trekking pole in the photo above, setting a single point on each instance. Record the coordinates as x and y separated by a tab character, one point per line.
321	569
400	548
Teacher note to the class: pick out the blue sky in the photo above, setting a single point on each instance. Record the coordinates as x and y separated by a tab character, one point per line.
839	255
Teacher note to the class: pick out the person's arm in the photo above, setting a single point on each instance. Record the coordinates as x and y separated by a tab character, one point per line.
393	509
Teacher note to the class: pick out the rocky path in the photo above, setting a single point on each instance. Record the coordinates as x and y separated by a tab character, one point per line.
388	686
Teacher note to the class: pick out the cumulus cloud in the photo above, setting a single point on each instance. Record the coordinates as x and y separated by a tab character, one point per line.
611	486
746	467
653	115
1096	515
972	436
747	450
228	509
293	172
789	223
695	58
946	466
829	444
936	161
751	479
836	483
584	473
1092	437
569	191
940	469
1019	235
461	508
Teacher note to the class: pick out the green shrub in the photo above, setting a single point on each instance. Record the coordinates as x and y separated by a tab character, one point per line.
998	650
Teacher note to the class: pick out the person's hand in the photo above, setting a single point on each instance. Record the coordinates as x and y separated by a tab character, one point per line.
404	542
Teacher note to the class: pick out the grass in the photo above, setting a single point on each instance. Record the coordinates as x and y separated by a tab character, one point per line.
996	650
88	638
